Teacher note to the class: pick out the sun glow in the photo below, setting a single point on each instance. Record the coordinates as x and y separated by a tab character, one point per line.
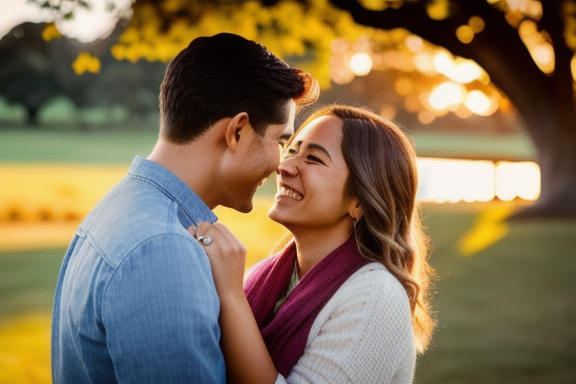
455	180
517	180
446	97
361	64
479	103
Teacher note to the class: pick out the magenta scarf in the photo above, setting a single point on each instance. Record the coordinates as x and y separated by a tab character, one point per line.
286	333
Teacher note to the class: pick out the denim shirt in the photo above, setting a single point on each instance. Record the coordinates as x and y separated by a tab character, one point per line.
135	300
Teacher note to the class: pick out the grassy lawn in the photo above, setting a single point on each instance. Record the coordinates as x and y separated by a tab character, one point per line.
505	314
103	146
505	311
108	145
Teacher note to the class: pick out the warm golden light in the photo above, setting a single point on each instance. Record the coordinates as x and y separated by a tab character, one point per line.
388	111
451	180
540	49
455	180
463	112
426	117
341	75
340	72
521	179
424	62
465	34
573	67
414	43
438	9
460	70
477	102
412	103
374	5
465	71
543	55
404	86
446	96
442	61
361	64
476	23
529	8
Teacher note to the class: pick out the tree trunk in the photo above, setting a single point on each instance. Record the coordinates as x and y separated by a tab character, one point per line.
32	116
556	149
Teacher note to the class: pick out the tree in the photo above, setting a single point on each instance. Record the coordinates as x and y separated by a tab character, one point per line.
505	38
35	68
545	101
26	74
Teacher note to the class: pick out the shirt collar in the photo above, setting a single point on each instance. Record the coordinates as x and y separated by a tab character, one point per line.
192	208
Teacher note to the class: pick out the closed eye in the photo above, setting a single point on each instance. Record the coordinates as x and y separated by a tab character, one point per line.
314	159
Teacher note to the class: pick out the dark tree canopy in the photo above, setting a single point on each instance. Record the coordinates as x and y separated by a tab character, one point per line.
505	38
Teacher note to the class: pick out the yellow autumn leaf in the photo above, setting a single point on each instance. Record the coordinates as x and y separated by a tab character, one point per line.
51	32
489	228
86	62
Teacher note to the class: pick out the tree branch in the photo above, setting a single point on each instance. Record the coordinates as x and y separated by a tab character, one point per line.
553	24
498	48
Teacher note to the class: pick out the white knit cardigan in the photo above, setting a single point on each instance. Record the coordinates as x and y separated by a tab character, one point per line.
362	335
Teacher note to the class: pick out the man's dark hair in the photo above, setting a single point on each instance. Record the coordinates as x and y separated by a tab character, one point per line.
221	76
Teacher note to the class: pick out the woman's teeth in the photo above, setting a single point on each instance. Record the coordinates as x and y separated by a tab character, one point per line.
283	191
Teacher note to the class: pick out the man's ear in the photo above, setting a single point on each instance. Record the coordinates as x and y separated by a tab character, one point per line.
235	129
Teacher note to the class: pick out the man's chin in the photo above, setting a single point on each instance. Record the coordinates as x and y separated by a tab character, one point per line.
246	208
241	206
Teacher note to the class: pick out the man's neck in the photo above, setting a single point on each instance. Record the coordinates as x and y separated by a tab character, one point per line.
195	163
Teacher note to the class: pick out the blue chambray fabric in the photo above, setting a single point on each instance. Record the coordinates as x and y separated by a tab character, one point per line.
135	300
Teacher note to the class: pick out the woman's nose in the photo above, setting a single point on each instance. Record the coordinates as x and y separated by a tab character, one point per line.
288	167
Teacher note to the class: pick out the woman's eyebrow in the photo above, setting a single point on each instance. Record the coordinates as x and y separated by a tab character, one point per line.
318	147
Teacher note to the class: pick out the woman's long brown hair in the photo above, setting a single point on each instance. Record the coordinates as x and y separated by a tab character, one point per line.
383	176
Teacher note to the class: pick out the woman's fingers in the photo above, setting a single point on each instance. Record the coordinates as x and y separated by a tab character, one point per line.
227	256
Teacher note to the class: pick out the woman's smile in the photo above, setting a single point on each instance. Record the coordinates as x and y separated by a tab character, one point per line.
286	191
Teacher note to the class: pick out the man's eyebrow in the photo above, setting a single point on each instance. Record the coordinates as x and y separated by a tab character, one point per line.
285	137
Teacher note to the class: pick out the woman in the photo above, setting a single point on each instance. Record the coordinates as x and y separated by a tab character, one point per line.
346	300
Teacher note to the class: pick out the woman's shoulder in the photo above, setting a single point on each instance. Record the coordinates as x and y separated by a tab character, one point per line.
373	291
374	276
369	317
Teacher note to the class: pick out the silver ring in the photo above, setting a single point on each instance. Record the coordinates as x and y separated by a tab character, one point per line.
205	240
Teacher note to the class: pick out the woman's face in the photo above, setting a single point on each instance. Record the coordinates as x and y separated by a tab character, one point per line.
311	179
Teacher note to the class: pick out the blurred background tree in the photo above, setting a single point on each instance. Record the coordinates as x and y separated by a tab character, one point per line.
460	57
39	64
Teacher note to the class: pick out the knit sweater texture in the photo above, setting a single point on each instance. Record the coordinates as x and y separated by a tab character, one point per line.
363	334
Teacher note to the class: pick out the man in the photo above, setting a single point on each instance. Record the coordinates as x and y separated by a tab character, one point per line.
135	300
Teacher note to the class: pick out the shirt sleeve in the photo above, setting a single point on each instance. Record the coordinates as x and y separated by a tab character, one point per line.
363	335
160	315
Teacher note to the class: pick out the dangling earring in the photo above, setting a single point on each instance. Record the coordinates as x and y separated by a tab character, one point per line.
354	223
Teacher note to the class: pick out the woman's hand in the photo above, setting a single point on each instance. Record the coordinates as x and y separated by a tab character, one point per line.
247	358
227	257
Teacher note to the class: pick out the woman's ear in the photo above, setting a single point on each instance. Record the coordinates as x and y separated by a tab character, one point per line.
235	129
356	210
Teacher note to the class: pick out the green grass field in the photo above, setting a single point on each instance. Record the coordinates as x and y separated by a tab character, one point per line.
505	314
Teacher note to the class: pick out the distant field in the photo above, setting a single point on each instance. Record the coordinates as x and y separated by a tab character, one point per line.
103	146
505	291
119	146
